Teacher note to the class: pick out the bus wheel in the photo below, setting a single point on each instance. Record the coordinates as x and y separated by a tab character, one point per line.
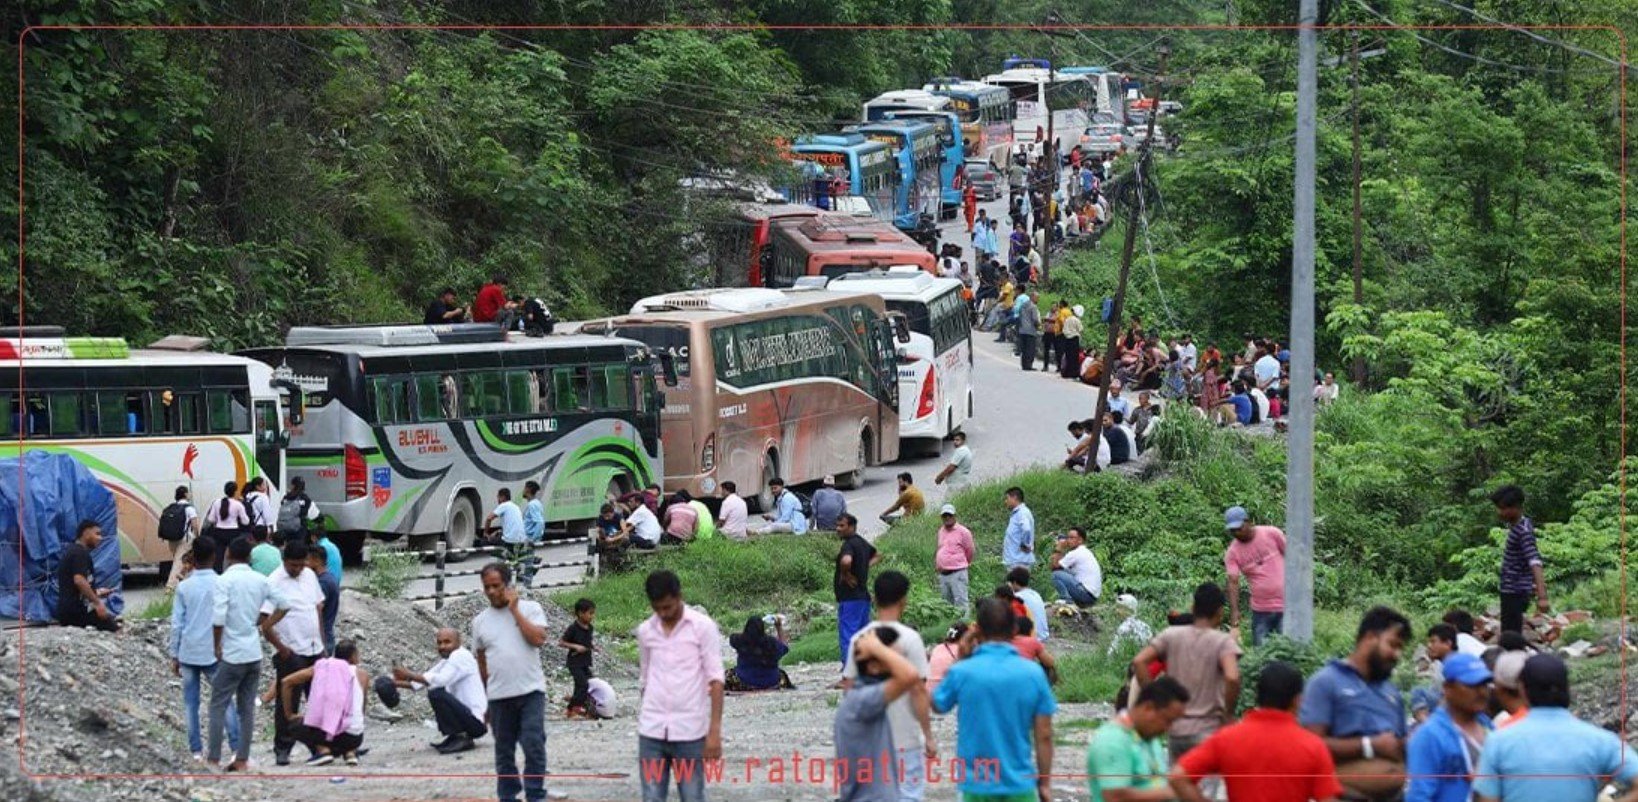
462	530
770	469
852	479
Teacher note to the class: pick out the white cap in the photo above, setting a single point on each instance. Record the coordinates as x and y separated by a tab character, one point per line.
948	509
830	481
1127	601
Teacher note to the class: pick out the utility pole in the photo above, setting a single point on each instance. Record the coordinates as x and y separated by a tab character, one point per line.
1140	178
1299	475
1359	269
1049	152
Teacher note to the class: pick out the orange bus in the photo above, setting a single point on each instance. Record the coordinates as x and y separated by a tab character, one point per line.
830	245
738	246
796	384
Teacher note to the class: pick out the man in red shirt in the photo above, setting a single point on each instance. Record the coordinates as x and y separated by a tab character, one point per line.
486	308
1301	768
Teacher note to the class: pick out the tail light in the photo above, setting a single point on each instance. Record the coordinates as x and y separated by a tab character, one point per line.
353	464
708	454
924	407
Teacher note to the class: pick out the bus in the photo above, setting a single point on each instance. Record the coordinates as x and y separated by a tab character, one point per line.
849	161
877	108
920	156
736	248
952	171
144	422
1036	91
986	114
1108	89
936	366
830	245
410	429
797	384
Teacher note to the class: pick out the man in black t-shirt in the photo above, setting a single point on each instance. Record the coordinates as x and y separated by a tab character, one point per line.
444	310
852	582
79	603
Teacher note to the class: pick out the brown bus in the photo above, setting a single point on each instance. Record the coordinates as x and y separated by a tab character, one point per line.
795	383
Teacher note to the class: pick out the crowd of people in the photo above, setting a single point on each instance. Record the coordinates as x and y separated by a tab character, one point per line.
494	303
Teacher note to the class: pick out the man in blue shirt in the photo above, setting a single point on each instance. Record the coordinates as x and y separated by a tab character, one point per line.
510	519
1114	403
332	597
1441	755
193	645
1018	545
238	625
1242	404
534	513
1550	754
1353	704
787	515
828	505
1004	704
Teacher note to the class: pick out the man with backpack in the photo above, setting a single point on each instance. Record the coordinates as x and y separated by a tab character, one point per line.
791	511
178	526
295	511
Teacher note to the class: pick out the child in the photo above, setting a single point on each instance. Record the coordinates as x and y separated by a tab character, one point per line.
577	638
611	540
1441	644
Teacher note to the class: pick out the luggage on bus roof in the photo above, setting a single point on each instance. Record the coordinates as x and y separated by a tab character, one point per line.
390	335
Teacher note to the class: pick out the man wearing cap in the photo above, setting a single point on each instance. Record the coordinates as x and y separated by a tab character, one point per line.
952	558
828	505
1552	755
1441	754
1258	554
1509	691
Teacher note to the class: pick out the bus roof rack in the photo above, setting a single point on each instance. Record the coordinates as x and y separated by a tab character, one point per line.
742	299
37	347
396	334
180	342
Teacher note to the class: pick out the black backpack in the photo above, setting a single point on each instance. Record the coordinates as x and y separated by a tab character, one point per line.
806	504
173	521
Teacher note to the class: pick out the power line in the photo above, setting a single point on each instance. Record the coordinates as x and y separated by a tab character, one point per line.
1453	51
1536	36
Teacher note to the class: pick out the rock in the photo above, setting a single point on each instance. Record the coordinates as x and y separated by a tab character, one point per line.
1576	616
121	754
1577	649
1597	650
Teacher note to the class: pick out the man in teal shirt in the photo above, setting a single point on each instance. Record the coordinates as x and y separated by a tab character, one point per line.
1005	703
265	557
1550	754
1128	753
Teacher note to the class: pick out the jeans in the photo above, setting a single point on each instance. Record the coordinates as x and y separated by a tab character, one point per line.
582	682
851	616
1265	624
520	721
953	587
914	782
192	678
453	717
234	684
1070	588
1026	349
1513	606
283	667
656	760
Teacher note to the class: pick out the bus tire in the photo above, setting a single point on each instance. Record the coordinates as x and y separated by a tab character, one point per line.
852	479
770	469
461	530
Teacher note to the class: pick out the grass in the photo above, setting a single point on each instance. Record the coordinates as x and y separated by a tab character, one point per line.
389	571
157	608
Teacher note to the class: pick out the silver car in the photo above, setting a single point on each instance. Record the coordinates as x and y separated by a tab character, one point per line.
1101	138
986	180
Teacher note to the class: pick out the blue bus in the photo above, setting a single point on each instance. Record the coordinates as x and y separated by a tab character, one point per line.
919	159
849	161
953	170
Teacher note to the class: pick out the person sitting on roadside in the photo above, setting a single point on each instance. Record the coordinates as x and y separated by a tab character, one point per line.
1079	449
454	690
333	724
1327	390
909	504
1142	418
1092	369
828	505
641	527
1122	443
787	516
1260	408
1243	405
1032	648
757	667
681	520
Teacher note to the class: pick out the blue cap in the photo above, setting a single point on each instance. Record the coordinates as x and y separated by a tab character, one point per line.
1466	669
1235	518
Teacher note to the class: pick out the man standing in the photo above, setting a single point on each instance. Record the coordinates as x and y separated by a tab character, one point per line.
828	505
909	503
1299	770
241	600
680	676
969	204
852	581
534	513
1258	554
960	466
506	640
1353	704
1029	328
1127	758
954	555
1006	706
444	309
1551	754
909	717
1521	566
454	690
1018	545
1076	574
301	635
1205	660
1509	689
79	603
331	587
192	644
1439	756
735	515
864	731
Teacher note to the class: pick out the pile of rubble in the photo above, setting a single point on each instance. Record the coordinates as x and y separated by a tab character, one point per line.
1546	633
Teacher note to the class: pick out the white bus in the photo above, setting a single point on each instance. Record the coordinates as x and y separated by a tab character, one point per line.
410	430
877	107
1035	91
143	421
936	366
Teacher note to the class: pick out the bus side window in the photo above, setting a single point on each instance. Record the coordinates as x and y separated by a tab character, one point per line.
11	417
448	396
391	401
68	415
187	409
520	392
582	389
541	383
241	411
111	415
428	401
618	392
136	413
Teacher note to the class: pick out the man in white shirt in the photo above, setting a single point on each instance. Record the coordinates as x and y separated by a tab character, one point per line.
1075	571
1267	369
733	515
1188	352
455	692
300	638
506	640
641	525
1260	399
909	715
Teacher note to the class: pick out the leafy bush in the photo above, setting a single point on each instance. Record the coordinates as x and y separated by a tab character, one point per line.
389	571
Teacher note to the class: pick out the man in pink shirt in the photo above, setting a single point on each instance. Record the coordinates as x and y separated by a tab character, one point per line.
954	555
679	724
1258	554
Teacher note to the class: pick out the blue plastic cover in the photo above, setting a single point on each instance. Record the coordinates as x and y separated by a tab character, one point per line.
60	492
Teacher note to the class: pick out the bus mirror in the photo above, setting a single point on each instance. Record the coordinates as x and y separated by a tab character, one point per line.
901	328
668	368
295	401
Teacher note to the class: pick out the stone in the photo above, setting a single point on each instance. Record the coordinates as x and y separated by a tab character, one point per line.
1577	649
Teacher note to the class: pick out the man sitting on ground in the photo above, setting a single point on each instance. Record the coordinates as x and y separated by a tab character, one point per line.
828	505
454	690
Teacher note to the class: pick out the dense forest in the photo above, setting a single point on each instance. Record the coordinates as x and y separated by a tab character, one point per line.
231	183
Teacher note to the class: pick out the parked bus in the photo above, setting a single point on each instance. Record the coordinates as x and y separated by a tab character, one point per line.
852	162
1108	89
1036	91
737	247
876	108
919	155
143	421
410	430
830	245
936	366
796	384
952	170
986	114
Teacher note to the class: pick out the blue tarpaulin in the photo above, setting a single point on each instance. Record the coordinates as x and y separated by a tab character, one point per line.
58	493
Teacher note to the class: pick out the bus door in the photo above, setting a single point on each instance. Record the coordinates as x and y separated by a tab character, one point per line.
884	341
268	430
